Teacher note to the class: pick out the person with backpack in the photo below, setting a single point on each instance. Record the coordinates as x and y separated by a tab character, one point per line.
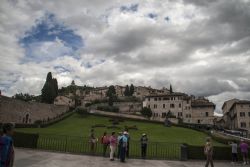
128	140
105	143
123	143
119	145
208	151
113	143
7	146
144	143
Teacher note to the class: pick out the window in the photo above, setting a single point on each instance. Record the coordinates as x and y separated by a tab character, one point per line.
180	105
148	99
155	99
206	114
243	124
179	114
171	105
242	114
163	106
163	115
148	106
249	114
159	99
198	121
155	105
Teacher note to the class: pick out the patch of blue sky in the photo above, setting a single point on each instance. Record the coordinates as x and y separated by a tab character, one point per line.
61	69
129	8
46	31
152	15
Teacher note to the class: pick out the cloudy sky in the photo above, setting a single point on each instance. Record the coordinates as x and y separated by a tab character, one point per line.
200	47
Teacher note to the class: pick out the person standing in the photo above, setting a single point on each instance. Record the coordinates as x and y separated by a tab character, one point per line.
144	143
7	146
93	142
105	143
113	143
208	151
123	142
234	146
119	145
244	151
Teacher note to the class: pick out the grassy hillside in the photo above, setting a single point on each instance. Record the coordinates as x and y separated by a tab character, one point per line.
79	126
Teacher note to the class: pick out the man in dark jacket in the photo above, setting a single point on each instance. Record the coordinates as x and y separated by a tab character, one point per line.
144	144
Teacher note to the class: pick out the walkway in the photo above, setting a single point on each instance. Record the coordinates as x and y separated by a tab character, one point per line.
34	158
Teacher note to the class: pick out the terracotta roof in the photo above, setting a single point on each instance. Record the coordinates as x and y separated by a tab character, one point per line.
227	101
167	95
200	103
240	102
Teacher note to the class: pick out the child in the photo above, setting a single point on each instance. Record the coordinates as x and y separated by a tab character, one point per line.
6	146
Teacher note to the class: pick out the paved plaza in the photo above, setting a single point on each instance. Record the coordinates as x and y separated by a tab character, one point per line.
35	158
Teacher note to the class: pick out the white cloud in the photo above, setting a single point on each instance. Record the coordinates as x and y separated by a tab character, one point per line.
203	48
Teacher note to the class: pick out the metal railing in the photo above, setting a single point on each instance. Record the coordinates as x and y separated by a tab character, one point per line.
81	145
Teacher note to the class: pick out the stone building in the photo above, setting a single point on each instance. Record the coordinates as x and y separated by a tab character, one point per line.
180	105
202	111
238	116
64	101
142	91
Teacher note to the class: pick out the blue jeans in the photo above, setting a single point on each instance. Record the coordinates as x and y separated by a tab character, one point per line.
122	154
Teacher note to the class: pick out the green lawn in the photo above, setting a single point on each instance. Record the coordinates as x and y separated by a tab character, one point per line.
76	125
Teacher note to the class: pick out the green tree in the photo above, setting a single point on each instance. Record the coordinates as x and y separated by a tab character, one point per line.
24	97
111	94
127	92
49	90
171	89
55	86
147	112
131	90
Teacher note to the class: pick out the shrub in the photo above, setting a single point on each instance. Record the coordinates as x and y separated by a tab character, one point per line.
81	111
134	127
146	112
98	126
108	108
113	127
25	140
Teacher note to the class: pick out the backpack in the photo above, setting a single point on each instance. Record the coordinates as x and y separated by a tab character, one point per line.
121	141
105	140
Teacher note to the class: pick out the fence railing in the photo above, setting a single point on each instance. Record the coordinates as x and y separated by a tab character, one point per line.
81	145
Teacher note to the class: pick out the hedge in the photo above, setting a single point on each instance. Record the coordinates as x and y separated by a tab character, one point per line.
108	108
220	153
25	140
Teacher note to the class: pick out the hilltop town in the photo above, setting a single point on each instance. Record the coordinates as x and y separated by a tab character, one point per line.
163	105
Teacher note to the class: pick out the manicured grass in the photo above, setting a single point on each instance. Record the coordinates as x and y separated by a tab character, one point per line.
76	125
